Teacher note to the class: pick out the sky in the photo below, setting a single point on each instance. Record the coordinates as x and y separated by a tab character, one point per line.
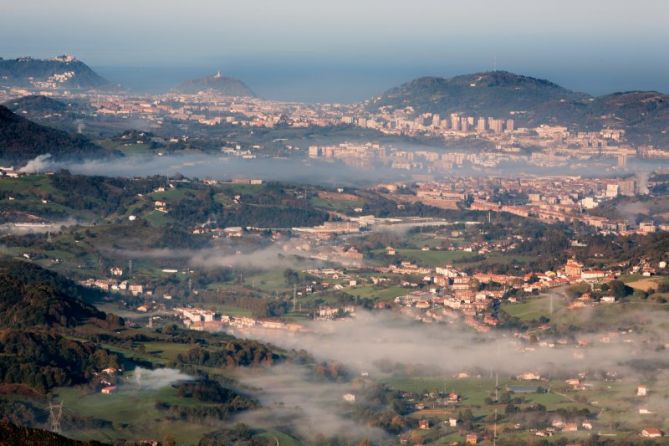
347	50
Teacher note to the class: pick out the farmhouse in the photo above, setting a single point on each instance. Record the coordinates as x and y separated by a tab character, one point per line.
108	390
651	432
642	390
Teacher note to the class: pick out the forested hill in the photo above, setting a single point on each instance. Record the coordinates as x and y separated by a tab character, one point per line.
189	202
31	296
224	85
36	307
11	435
22	140
34	104
495	93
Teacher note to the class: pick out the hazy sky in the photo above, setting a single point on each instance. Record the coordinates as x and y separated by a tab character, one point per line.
349	49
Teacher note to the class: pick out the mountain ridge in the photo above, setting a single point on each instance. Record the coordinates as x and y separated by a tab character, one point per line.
496	92
532	102
57	72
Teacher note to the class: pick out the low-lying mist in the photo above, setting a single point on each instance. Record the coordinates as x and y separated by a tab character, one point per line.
299	170
146	379
36	228
372	340
380	345
224	168
290	397
266	258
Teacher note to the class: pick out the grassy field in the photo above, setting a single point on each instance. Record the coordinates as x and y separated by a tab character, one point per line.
597	316
434	258
645	284
242	189
166	350
269	281
431	258
533	308
473	391
133	355
336	205
132	413
27	184
498	259
156	218
370	292
280	438
169	194
231	310
627	278
127	148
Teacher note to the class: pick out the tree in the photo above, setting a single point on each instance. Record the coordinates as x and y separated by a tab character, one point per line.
619	290
510	409
291	277
467	418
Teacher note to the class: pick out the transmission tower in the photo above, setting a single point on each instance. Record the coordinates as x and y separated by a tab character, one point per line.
294	297
494	435
55	413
